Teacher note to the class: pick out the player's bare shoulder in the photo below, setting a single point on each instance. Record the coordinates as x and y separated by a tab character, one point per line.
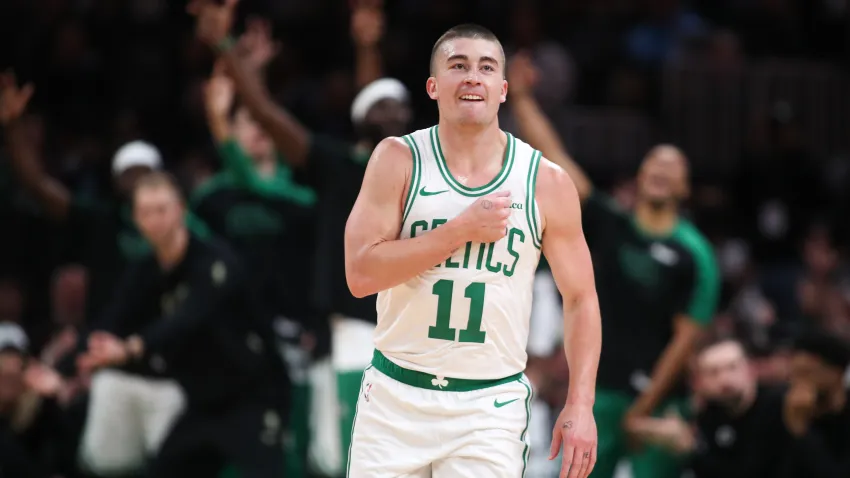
391	154
390	165
556	193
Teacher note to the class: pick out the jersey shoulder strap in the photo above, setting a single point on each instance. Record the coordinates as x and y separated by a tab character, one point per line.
524	177
417	142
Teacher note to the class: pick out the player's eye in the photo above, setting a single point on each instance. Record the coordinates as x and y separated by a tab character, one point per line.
457	66
489	68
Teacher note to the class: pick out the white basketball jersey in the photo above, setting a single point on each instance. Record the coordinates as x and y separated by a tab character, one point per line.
467	317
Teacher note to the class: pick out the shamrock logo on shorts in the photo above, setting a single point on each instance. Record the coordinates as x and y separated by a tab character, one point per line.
439	382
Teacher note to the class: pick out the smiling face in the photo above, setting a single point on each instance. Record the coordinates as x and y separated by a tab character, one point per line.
467	80
663	177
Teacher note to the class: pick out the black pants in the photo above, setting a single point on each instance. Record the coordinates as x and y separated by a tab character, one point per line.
247	436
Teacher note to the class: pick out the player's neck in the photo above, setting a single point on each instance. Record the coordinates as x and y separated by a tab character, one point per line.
654	220
172	252
470	145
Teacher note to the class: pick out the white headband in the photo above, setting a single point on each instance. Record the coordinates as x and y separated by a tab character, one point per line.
136	153
12	336
374	92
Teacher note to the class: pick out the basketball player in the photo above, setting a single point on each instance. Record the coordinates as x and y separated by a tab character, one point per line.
448	230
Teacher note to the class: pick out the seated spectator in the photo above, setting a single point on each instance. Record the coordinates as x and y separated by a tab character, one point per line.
737	431
31	436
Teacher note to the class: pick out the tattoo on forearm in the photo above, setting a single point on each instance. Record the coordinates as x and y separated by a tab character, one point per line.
486	204
568	425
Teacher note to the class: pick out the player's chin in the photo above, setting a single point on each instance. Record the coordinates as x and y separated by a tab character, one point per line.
658	196
474	116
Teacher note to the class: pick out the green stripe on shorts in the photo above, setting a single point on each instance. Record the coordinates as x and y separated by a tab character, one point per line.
528	399
433	382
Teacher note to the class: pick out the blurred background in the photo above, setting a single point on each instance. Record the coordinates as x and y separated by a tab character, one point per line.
755	92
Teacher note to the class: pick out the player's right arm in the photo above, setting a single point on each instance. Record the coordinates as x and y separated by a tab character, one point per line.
536	127
53	196
375	258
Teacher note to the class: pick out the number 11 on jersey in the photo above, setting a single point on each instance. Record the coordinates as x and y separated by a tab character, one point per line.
444	289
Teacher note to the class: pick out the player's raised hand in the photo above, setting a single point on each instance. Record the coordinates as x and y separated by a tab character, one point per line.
13	99
486	220
214	19
522	74
575	430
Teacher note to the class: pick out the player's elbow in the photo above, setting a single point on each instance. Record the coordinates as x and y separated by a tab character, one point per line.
358	280
358	285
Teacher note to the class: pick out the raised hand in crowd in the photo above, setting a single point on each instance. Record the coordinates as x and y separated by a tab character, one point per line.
522	74
256	46
367	30
214	20
13	98
367	23
219	93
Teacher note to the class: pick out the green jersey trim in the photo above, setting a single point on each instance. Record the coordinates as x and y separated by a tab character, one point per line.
706	291
433	382
530	209
415	176
488	188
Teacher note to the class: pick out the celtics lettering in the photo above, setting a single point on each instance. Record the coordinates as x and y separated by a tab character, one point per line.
477	256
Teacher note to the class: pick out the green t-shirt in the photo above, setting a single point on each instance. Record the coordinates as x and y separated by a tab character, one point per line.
644	282
268	221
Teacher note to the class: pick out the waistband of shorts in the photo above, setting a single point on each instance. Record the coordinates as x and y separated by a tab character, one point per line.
433	382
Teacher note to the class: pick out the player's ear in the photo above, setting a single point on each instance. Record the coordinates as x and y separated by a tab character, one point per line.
431	87
503	96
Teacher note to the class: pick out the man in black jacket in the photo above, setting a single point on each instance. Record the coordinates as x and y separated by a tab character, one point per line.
188	313
738	428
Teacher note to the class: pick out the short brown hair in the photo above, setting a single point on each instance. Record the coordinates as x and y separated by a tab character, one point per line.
158	179
467	30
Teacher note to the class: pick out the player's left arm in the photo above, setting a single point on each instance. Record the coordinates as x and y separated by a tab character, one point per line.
569	259
688	327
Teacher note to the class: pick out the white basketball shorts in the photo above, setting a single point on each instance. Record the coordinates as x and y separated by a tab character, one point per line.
412	424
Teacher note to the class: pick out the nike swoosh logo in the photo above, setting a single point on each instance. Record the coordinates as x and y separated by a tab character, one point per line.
423	192
498	404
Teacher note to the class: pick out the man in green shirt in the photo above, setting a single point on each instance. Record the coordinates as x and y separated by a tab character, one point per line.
657	281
